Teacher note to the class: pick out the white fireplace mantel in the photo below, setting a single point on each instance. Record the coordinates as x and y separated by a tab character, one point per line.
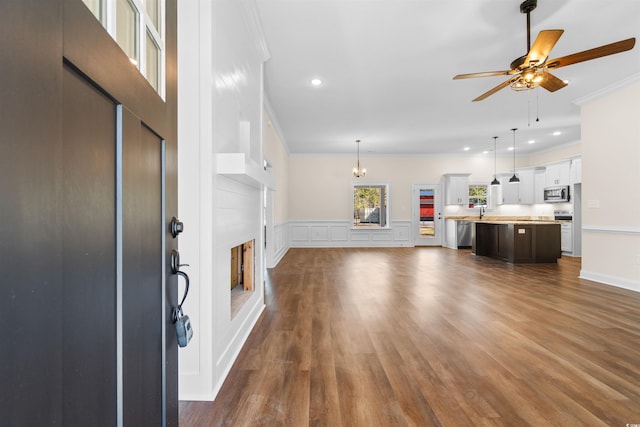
241	168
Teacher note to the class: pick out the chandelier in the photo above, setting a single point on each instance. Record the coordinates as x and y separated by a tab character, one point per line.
357	170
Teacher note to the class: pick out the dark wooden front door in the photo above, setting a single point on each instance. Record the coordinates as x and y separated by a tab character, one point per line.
88	185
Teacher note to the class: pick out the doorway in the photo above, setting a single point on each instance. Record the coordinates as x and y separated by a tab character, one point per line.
427	215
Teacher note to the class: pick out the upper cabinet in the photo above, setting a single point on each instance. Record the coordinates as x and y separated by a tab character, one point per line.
522	193
558	174
576	171
456	188
540	182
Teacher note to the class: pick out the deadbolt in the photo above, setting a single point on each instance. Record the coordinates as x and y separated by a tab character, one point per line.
176	227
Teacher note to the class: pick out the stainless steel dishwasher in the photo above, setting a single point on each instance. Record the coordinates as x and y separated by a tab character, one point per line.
463	232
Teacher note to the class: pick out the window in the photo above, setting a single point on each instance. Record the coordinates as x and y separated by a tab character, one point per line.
478	195
138	27
370	206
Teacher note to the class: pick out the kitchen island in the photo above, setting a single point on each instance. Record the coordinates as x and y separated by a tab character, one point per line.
517	241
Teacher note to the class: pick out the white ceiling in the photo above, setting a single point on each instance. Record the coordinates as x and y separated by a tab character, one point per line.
387	68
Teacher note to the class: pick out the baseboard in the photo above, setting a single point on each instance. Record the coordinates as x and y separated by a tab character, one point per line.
279	256
195	397
632	285
230	354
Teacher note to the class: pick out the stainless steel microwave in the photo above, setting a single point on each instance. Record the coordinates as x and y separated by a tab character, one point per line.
558	194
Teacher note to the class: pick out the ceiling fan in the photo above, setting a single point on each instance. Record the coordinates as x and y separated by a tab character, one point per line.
532	70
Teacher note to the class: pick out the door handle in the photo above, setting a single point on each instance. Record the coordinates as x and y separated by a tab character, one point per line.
184	330
178	310
175	269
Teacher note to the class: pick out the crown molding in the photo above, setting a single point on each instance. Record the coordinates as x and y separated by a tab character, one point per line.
634	78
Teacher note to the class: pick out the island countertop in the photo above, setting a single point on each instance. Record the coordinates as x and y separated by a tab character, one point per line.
504	219
519	222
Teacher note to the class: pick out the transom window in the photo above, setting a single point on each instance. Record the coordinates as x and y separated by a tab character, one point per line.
138	28
370	206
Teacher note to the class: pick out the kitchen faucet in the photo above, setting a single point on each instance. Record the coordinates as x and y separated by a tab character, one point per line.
481	211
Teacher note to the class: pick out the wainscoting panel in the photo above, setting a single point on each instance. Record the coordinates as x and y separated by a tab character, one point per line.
339	233
300	233
385	236
336	234
320	233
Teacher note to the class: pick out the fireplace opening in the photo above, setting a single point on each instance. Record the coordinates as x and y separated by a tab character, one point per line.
242	275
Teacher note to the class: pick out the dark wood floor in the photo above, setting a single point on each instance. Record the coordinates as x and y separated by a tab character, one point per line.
432	336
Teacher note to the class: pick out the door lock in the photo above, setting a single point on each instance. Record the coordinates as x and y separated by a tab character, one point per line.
176	227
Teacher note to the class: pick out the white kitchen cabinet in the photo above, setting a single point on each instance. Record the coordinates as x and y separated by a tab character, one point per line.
576	171
451	234
456	188
558	174
509	191
526	187
538	186
522	193
566	237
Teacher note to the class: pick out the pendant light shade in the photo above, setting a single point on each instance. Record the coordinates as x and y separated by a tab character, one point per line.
357	170
514	179
495	175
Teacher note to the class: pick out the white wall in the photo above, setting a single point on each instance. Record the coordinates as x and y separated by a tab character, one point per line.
275	151
320	186
610	179
220	60
549	156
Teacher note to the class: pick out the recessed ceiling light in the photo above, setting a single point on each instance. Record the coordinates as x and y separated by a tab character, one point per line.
485	152
531	141
316	82
510	148
467	148
556	133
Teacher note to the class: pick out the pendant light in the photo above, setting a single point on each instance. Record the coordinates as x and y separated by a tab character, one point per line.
357	171
514	179
495	174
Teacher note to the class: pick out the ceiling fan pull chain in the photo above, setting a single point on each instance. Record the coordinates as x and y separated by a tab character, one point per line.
529	107
537	105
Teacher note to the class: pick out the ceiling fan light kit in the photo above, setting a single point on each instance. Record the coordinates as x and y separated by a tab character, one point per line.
532	70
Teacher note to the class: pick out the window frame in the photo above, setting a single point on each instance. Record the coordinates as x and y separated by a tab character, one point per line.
387	211
144	27
470	197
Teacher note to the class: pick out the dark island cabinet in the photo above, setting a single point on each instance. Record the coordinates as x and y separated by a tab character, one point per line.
517	242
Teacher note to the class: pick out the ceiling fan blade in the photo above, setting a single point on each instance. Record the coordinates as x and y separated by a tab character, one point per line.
541	48
596	52
483	74
492	91
552	83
